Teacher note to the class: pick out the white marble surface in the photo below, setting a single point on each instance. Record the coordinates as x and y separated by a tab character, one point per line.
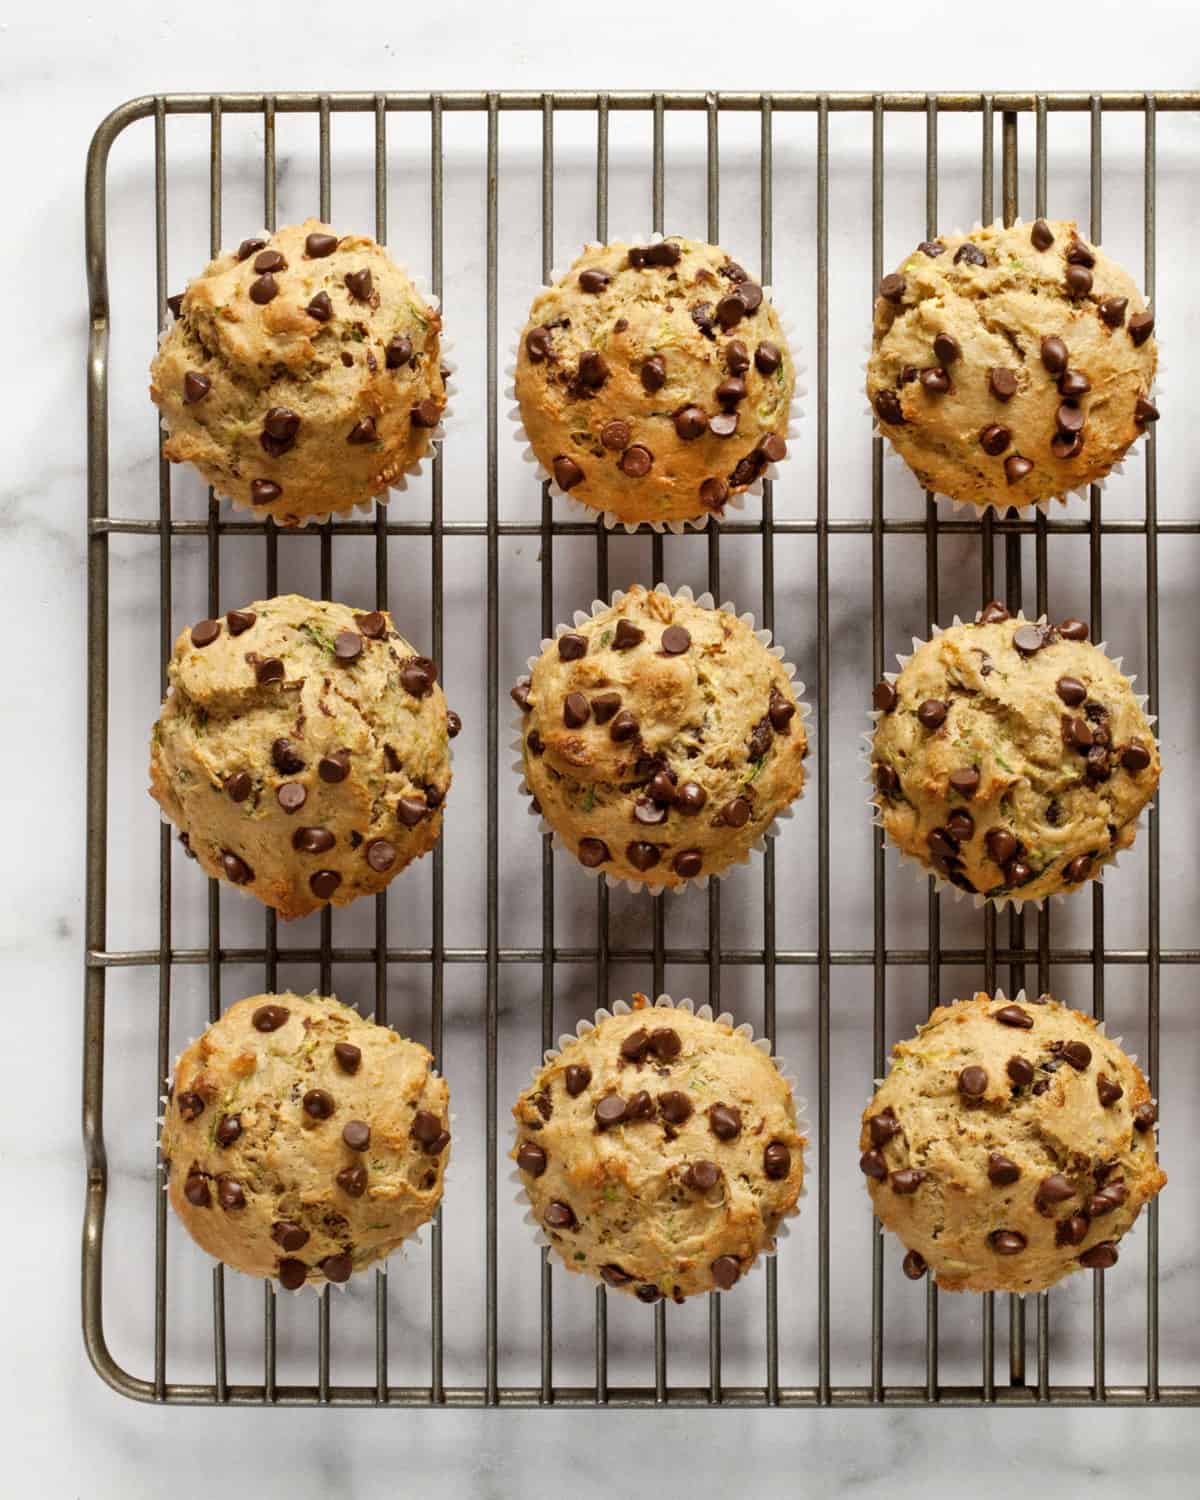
61	69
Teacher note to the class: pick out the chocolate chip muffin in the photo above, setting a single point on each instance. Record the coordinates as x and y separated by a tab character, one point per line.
302	751
1010	1144
1010	366
302	1142
1011	758
660	1151
302	373
654	381
660	737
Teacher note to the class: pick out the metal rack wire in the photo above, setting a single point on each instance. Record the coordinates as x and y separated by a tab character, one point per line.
1018	953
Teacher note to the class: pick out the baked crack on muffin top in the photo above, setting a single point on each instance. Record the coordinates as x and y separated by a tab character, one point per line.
654	381
660	739
1010	366
1010	757
302	373
1011	1144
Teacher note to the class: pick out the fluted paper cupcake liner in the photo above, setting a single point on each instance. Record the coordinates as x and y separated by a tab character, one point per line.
705	1013
395	486
1002	507
700	882
380	1262
979	899
609	518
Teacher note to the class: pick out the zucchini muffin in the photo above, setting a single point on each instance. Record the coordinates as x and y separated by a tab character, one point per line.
654	381
659	1151
302	1142
1010	366
660	738
302	751
302	373
1012	759
1011	1144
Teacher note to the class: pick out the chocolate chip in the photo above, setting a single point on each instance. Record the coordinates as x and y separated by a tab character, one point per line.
654	373
264	290
1101	1257
593	368
891	288
736	813
239	786
641	1106
347	646
661	253
427	1131
353	1181
648	1293
538	345
289	1236
359	284
690	798
195	1190
363	431
1041	235
1135	757
725	1121
970	253
230	1194
348	1056
318	1104
731	392
205	632
381	855
1070	417
1071	1230
1145	1116
1078	869
932	713
567	473
593	279
731	310
907	1180
973	1081
627	635
337	1268
558	1215
1073	384
1016	468
1019	872
1001	1170
240	620
615	1276
888	407
913	1265
1079	254
292	1274
993	613
410	810
1002	383
237	871
724	424
190	1105
195	387
1020	1070
1028	639
947	348
269	670
1078	734
1078	1054
318	245
1071	691
324	883
1013	1015
426	413
175	303
887	780
1078	280
334	767
1112	310
965	781
417	676
247	248
624	728
1054	354
1108	1091
320	308
935	381
636	461
872	1164
1144	411
1110	1197
291	796
688	863
1007	1241
593	852
264	491
645	810
702	1176
675	1107
725	1271
995	439
884	696
642	856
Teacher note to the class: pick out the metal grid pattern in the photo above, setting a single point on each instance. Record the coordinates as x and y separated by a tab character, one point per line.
1007	958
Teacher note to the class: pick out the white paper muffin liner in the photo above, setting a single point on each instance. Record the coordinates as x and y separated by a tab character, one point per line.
927	871
705	1013
582	511
1002	508
1022	998
399	484
699	882
359	1274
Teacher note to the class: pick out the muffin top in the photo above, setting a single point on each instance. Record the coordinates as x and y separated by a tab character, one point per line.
1011	758
303	1142
302	751
655	381
660	738
660	1151
1010	1144
1010	366
302	373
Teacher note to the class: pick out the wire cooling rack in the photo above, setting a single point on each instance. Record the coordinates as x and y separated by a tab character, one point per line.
1015	950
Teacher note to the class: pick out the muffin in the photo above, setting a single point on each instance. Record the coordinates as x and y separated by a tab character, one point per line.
1010	758
1010	1145
654	381
302	373
1010	366
302	751
302	1142
660	738
660	1151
